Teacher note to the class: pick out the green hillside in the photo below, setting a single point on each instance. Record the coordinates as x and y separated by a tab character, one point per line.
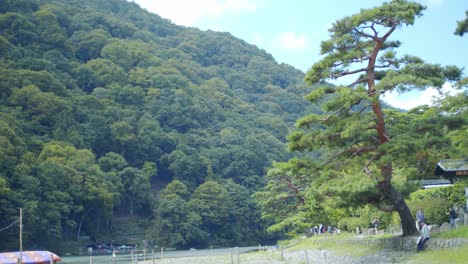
102	104
116	124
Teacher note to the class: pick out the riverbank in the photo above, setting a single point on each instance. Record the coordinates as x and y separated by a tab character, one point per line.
451	247
326	256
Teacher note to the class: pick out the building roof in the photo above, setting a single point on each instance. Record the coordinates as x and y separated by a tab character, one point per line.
426	184
451	165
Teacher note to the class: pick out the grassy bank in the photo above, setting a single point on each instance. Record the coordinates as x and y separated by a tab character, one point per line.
451	255
340	245
459	232
332	243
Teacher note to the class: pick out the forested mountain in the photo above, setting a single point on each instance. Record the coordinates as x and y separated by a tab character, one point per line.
103	104
110	114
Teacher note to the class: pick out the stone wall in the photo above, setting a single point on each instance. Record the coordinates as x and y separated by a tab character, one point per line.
404	243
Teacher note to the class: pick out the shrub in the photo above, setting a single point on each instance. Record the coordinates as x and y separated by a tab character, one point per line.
454	195
435	209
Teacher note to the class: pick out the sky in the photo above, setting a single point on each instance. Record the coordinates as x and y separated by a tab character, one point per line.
291	30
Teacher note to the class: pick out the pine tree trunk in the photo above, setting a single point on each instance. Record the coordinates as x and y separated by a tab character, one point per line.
396	199
391	194
407	221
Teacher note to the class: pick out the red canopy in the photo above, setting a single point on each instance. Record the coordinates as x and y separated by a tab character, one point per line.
29	257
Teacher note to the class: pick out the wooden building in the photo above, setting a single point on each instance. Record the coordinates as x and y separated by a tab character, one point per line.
452	169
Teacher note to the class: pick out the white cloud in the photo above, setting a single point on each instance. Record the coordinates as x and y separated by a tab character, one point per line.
188	12
291	41
413	99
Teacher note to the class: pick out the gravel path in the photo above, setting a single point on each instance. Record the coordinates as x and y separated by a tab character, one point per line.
294	257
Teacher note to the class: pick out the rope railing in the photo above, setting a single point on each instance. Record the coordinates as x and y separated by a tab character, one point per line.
10	225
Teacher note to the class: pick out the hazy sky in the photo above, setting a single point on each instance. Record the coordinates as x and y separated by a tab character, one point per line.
291	30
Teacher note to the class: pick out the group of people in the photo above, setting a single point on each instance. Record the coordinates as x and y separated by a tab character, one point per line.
423	228
323	229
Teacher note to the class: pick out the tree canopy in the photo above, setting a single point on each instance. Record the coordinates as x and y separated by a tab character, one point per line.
462	26
362	145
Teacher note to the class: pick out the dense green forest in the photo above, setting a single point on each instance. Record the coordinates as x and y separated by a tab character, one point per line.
108	112
103	104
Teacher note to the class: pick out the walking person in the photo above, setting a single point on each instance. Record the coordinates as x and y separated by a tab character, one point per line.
425	235
420	219
453	215
375	224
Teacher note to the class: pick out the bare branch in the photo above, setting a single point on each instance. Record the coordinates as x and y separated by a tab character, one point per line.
355	60
292	187
365	34
373	29
389	32
363	108
385	208
332	114
370	161
374	139
349	72
355	151
359	81
351	106
382	66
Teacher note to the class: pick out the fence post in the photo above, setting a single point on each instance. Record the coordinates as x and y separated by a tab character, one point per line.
232	257
307	257
144	254
90	252
133	260
51	258
282	253
237	253
113	256
152	255
324	253
162	252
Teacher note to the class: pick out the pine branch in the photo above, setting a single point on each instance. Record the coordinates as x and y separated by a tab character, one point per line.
295	189
359	81
365	34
